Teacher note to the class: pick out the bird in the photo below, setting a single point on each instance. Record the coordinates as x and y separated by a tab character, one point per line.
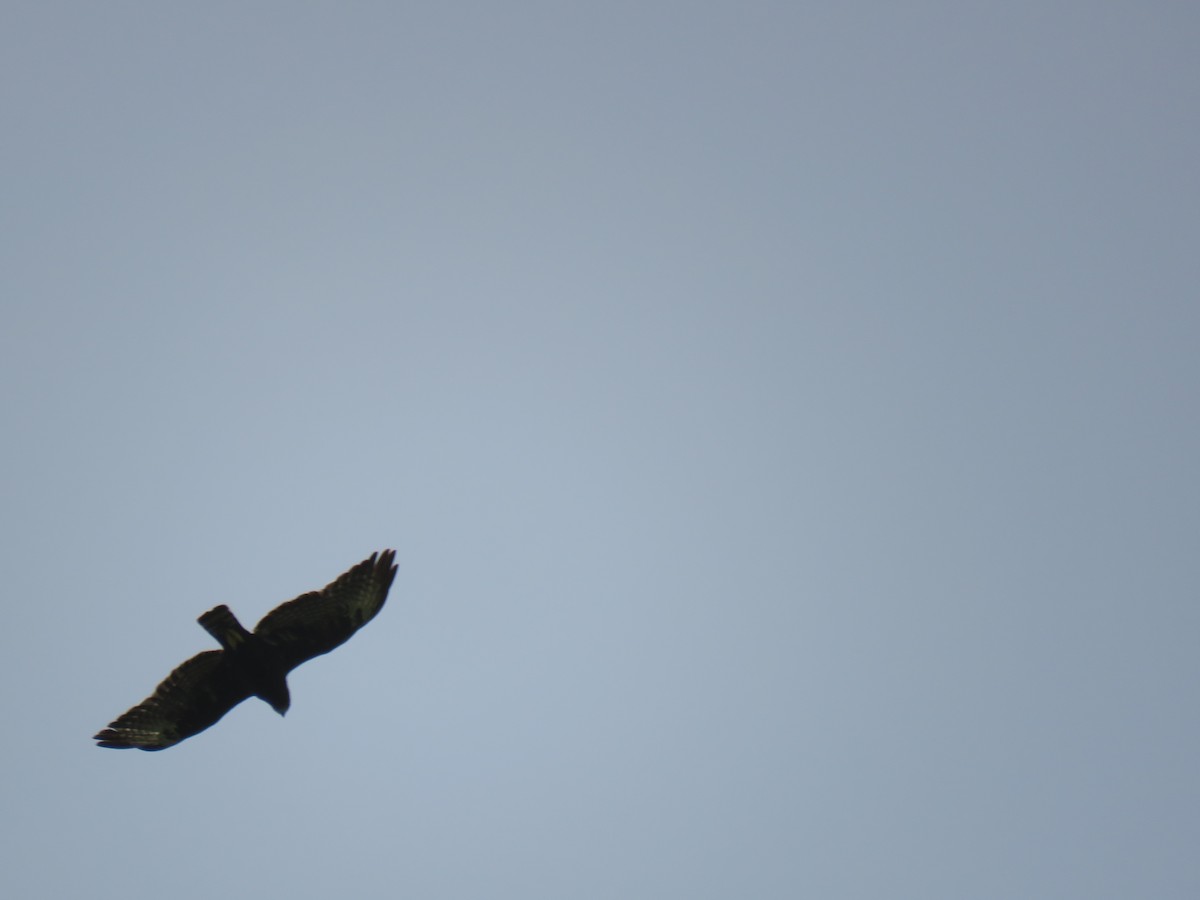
253	664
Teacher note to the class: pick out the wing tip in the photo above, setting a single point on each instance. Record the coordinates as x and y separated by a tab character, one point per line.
386	564
113	739
119	740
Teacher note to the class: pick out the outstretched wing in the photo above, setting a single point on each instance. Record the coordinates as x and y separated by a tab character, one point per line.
190	699
316	622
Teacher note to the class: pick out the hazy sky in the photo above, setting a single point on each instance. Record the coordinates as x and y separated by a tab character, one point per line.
784	414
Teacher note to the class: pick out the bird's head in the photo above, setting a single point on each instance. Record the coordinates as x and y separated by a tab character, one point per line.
278	697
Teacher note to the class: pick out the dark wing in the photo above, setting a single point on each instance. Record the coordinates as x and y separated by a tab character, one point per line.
316	622
190	699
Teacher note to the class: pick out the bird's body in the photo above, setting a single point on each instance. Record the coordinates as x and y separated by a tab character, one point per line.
258	663
200	691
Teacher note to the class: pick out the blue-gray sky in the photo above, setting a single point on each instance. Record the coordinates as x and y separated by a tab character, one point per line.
784	413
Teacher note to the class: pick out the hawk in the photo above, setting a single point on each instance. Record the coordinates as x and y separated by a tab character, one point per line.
253	664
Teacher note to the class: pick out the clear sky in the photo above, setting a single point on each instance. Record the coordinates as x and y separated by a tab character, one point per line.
784	414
